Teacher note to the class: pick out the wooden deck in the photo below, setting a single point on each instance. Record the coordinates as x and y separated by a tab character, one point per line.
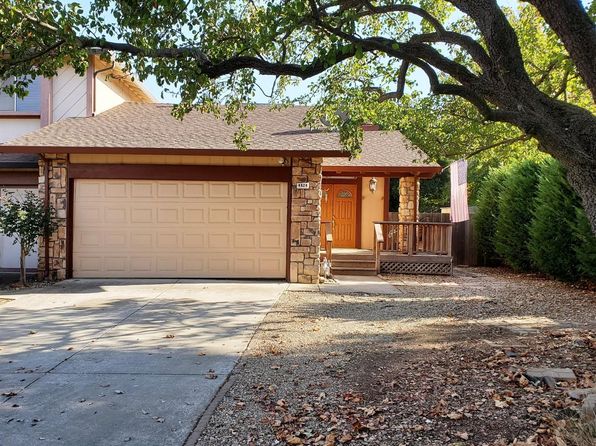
400	248
413	248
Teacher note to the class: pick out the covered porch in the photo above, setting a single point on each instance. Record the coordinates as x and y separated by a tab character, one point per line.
360	232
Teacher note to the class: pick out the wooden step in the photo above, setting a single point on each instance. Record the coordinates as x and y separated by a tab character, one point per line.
353	264
341	271
359	257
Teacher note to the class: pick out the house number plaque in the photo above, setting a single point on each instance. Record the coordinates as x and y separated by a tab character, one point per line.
302	185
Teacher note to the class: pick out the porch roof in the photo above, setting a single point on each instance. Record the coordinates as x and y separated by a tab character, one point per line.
384	153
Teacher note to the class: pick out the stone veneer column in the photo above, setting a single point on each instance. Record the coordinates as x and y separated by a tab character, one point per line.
409	192
58	186
305	221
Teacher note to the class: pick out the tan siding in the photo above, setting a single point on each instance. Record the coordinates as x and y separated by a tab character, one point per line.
109	94
373	207
70	94
13	128
174	159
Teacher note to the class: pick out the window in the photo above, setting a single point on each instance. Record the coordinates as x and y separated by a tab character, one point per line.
30	103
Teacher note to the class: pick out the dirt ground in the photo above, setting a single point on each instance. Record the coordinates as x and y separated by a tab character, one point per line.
441	363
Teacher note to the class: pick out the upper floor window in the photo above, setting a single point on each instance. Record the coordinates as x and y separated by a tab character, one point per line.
30	103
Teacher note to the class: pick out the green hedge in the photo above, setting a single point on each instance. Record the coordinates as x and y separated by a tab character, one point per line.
529	217
487	214
552	235
516	206
585	248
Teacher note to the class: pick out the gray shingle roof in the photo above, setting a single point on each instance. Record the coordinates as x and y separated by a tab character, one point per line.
137	126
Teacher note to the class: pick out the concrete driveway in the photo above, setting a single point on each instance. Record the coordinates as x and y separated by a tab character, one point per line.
89	362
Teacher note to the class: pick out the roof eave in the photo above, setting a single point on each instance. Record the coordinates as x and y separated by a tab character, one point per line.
172	151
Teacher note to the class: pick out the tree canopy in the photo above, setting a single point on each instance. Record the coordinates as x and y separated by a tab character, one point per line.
531	72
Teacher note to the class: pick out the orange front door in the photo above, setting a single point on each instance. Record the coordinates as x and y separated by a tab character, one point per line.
339	207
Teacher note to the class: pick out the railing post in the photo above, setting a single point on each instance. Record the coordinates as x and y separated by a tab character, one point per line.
411	239
379	240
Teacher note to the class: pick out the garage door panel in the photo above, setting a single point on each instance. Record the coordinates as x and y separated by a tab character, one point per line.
141	240
142	215
116	264
272	190
193	190
220	190
179	229
115	239
117	189
115	215
245	190
168	190
142	189
273	216
193	215
89	189
219	215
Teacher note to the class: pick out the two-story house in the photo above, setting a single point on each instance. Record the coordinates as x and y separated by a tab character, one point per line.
67	95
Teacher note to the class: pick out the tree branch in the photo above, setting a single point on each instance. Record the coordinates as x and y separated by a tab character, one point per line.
570	21
224	67
504	142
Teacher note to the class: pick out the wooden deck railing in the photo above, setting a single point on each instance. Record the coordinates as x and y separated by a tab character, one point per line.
379	242
412	239
327	238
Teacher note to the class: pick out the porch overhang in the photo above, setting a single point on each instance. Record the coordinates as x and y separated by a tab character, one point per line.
423	172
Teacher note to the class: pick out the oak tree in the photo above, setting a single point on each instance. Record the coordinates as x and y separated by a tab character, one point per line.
362	53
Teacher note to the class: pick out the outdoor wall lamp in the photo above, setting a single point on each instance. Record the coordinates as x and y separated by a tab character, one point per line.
372	185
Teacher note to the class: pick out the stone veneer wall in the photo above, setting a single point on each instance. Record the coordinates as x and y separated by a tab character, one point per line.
409	193
58	182
305	221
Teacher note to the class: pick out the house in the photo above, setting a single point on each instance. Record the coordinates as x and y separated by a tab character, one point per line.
141	194
67	95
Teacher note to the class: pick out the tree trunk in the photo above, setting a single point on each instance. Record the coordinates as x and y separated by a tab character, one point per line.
22	267
583	179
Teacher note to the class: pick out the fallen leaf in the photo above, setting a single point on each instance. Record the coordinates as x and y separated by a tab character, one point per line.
330	440
501	404
455	416
462	435
345	438
293	440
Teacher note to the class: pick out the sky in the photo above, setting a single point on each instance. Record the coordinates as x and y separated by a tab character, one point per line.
265	82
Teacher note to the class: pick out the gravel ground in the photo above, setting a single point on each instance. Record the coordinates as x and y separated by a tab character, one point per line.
441	363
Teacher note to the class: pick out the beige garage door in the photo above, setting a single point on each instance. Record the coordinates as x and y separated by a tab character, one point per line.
135	228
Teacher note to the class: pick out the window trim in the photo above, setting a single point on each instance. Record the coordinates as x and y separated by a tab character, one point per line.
19	115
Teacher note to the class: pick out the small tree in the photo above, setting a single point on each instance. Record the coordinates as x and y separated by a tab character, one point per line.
25	218
516	205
